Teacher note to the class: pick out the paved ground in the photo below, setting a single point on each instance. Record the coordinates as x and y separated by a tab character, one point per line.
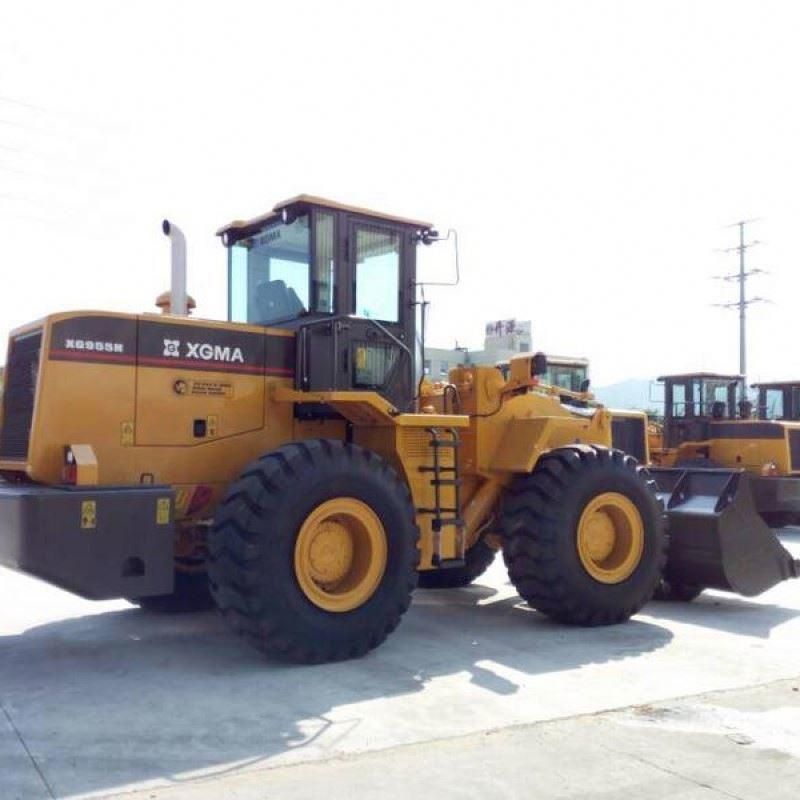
474	695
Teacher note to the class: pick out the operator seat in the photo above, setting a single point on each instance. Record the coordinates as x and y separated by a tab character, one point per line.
275	300
718	410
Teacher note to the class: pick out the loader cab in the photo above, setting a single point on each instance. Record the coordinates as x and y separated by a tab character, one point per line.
693	401
344	279
779	400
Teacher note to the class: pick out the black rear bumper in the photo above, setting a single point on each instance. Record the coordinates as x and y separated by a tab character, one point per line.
97	542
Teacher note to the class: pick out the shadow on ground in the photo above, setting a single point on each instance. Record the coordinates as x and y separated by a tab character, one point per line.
127	697
731	613
725	612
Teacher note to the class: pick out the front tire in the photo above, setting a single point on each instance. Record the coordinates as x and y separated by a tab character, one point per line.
313	552
584	536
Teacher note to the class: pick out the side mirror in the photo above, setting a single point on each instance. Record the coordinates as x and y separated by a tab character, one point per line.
538	364
585	384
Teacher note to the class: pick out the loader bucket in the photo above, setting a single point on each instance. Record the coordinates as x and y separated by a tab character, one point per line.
717	538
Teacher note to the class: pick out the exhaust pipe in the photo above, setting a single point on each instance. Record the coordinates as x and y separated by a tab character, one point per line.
178	301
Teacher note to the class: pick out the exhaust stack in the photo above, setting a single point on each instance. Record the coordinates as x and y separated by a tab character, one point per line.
178	302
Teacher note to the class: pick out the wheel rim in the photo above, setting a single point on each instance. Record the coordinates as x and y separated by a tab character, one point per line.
340	554
610	537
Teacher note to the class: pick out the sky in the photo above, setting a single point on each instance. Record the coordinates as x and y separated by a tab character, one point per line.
590	154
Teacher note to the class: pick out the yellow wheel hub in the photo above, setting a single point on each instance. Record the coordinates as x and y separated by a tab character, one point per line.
340	554
610	537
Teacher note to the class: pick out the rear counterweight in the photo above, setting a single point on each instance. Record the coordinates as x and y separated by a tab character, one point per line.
99	543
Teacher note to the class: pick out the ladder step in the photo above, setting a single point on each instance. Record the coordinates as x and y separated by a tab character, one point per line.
455	522
445	439
448	563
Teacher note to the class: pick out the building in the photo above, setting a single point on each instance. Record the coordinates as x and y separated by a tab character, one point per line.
503	339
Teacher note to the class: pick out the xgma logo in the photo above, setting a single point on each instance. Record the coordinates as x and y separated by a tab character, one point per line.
203	351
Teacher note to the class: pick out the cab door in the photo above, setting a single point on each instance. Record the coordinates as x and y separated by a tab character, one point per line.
380	262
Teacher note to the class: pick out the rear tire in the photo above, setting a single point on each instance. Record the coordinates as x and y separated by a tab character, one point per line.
313	552
478	559
596	578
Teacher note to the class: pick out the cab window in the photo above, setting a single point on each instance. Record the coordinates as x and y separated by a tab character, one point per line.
774	404
712	392
273	276
679	400
565	377
322	287
377	257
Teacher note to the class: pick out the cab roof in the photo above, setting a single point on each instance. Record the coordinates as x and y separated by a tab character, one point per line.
775	384
714	376
301	200
567	361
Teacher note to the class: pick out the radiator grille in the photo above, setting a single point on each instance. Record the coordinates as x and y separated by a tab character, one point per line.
628	434
416	443
19	391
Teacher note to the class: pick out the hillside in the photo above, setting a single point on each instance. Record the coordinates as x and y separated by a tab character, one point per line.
635	393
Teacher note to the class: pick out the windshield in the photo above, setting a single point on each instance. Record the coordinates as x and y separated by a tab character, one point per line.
270	272
712	392
565	376
697	397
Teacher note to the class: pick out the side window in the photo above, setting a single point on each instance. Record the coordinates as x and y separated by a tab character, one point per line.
322	276
775	404
377	253
678	400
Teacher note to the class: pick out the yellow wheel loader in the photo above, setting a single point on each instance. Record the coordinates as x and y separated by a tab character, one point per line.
289	465
708	423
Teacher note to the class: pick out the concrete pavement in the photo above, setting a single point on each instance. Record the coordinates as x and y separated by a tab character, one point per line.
739	744
102	699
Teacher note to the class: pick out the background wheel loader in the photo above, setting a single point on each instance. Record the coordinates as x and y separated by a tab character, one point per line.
708	423
287	463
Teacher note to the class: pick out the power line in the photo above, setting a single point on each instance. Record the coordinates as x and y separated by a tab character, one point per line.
744	301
